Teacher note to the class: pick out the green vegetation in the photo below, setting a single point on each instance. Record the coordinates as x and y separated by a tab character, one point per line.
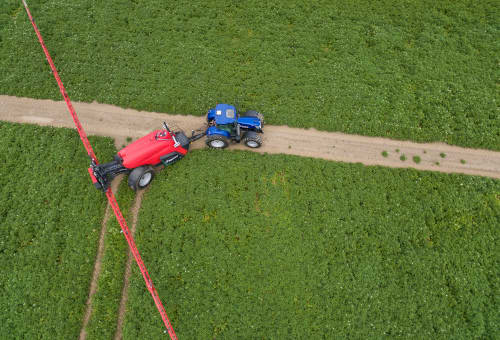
248	246
106	302
385	153
419	70
463	161
403	157
417	159
442	154
50	220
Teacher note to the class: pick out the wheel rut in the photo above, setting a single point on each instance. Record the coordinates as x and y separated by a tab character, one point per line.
98	262
123	302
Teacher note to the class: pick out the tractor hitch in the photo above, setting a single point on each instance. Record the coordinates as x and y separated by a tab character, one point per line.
195	137
103	174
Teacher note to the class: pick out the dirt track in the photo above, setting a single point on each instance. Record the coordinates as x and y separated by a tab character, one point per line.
108	120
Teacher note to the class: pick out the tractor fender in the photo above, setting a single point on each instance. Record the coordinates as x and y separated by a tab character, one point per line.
250	123
213	130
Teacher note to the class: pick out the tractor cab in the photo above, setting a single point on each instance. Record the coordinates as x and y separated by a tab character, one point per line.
224	118
225	124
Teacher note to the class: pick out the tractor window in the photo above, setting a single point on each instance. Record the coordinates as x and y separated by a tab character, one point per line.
226	127
230	113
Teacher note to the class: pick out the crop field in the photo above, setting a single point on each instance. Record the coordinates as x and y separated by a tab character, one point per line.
419	70
50	219
243	245
248	246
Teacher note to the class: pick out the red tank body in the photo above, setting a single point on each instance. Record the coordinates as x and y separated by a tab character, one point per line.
148	149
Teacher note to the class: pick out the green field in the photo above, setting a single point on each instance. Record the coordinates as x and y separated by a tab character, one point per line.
248	246
50	219
418	70
243	245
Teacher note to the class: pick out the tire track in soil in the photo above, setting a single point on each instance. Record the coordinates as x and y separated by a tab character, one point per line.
123	302
98	261
118	123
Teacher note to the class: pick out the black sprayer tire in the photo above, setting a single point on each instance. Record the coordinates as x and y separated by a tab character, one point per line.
252	139
253	113
140	177
217	141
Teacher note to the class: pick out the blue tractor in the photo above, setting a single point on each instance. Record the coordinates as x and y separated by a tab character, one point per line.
225	125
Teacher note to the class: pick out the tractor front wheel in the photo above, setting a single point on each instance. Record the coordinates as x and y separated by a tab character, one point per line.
252	139
217	141
140	177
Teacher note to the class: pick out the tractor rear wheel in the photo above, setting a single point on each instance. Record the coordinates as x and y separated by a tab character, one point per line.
140	177
217	141
252	139
256	114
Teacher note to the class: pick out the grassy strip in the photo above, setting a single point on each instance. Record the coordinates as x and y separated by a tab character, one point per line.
102	324
50	217
418	70
243	246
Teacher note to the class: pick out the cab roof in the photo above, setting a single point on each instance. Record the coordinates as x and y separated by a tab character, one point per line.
223	114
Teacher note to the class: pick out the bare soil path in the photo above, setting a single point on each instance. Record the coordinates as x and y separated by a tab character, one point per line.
108	120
